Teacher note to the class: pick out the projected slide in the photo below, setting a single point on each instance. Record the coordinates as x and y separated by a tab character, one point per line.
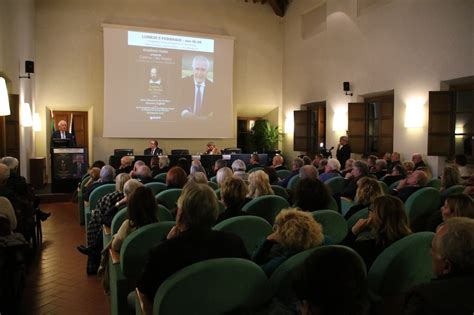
166	84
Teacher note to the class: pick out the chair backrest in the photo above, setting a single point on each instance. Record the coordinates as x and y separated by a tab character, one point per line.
405	263
333	204
346	204
254	169
384	187
280	191
283	173
213	179
282	278
361	214
99	192
334	224
169	198
336	184
156	187
293	182
212	287
136	246
249	228
218	193
435	183
118	219
163	214
161	177
266	207
84	180
212	185
453	190
422	202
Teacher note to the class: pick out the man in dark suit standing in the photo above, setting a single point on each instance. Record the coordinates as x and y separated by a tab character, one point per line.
153	149
63	134
197	91
343	151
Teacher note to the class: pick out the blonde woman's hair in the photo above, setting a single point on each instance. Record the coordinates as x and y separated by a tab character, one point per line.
259	184
451	176
409	166
120	181
198	177
298	230
367	190
223	174
198	205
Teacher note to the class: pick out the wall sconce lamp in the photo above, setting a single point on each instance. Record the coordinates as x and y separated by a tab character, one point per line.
414	113
29	68
36	122
347	88
26	119
4	103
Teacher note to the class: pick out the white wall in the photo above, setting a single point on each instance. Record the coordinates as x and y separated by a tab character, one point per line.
407	46
70	56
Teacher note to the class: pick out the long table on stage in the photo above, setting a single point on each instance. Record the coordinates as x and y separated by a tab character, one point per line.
207	160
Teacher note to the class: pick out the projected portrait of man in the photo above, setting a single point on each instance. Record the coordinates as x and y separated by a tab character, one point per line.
155	78
197	91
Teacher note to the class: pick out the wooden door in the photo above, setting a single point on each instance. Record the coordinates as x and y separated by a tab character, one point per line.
357	126
302	129
441	123
80	125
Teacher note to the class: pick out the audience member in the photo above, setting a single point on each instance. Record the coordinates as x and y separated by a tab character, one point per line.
417	159
259	185
380	168
398	173
238	167
371	163
452	255
308	171
278	163
198	178
311	195
15	182
94	176
233	195
410	184
128	188
176	177
306	160
409	167
450	177
125	165
7	211
322	165
254	162
191	240
359	170
272	175
387	222
461	162
98	163
317	159
155	165
163	165
294	232
136	166
368	189
395	160
459	205
220	163
107	175
347	167
331	170
144	175
223	174
295	171
388	160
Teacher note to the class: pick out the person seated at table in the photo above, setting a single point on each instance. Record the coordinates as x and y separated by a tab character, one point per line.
294	232
212	149
190	241
153	149
259	185
233	195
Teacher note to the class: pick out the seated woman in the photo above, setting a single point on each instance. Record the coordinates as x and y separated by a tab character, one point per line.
94	173
233	195
176	177
311	195
409	167
107	175
259	185
368	189
222	175
398	173
460	205
141	210
450	177
387	223
294	232
198	177
190	241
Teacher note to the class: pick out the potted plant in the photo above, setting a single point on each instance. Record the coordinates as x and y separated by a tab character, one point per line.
265	137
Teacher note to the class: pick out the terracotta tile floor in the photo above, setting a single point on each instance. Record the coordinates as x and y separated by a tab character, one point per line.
57	282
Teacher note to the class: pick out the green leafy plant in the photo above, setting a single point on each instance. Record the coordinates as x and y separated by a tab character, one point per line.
265	136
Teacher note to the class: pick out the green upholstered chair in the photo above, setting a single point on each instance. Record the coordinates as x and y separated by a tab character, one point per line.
118	220
96	194
258	168
361	214
218	193
346	204
156	187
169	198
333	205
399	267
435	183
213	179
280	191
212	287
161	177
249	228
453	190
80	199
163	214
282	174
422	202
334	224
266	207
384	187
336	184
213	185
293	182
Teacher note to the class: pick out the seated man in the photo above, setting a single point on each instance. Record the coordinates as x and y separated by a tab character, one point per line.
295	171
190	241
143	174
125	165
380	169
418	160
452	255
254	162
394	160
359	170
410	184
153	149
220	163
309	171
277	163
331	170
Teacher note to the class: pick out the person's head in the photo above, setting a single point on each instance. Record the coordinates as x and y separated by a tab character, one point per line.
137	165
451	176
120	181
277	160
309	171
142	207
272	174
343	140
254	159
98	164
176	177
94	173
416	158
62	125
296	164
164	161
460	205
349	164
368	189
107	173
153	144
333	165
333	281
360	168
238	166
198	177
259	184
220	163
197	207
452	248
4	173
11	162
388	219
130	186
371	160
409	166
222	175
311	195
196	168
126	161
387	156
143	171
233	192
399	170
297	230
200	68
211	146
417	178
395	157
317	158
307	160
380	165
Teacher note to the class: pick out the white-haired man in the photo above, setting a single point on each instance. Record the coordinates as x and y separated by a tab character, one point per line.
62	134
